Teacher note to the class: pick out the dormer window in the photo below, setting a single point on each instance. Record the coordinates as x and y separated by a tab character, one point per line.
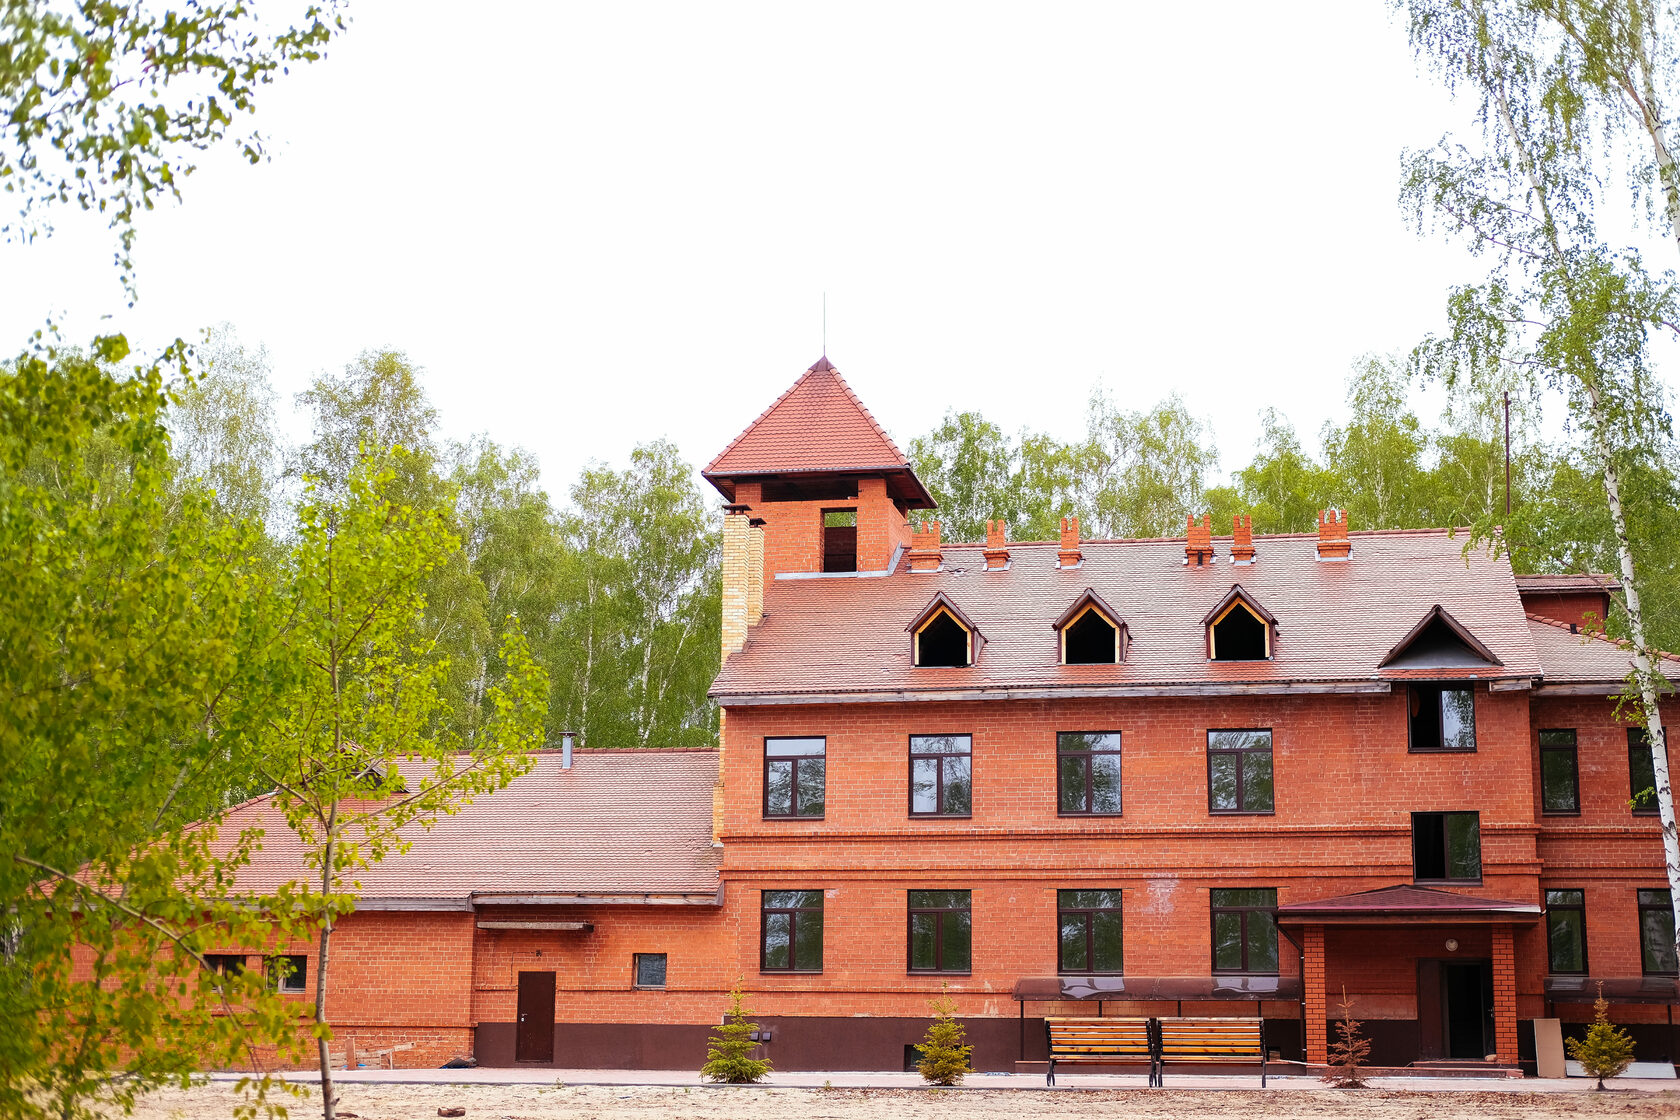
1091	633
1239	629
943	637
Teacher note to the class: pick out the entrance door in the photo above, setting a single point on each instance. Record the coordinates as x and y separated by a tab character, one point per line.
1467	1004
534	1041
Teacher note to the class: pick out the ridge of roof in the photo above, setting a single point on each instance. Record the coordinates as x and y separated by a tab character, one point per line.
822	368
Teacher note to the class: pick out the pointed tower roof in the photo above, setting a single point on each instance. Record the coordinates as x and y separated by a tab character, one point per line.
818	427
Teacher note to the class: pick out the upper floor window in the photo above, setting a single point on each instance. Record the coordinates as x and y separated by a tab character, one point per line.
795	774
941	775
1090	931
1239	629
790	931
839	540
1245	935
1442	717
941	931
1090	632
1656	933
1240	771
1560	784
1642	772
942	636
1088	772
1447	847
1566	931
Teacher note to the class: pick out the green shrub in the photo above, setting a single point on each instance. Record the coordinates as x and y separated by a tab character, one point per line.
1606	1050
945	1049
729	1051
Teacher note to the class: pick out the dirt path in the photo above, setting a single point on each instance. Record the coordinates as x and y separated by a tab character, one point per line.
593	1102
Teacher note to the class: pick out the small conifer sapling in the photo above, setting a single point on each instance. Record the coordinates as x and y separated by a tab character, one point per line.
1349	1052
729	1052
945	1048
1606	1050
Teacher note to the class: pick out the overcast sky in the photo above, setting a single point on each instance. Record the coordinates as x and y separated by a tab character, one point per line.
598	224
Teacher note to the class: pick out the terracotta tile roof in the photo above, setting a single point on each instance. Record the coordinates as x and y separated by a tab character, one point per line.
1405	900
1580	658
817	426
624	822
1336	620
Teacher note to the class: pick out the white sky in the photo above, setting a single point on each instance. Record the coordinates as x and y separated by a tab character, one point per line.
597	224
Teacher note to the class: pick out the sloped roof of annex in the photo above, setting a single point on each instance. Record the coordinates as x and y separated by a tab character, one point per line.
1336	621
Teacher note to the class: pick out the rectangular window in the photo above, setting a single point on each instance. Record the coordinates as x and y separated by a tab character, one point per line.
1443	717
795	773
650	970
290	972
1088	773
1090	931
941	775
840	540
791	931
1566	931
1239	771
1560	787
1656	933
1245	935
941	931
1642	772
1447	847
225	964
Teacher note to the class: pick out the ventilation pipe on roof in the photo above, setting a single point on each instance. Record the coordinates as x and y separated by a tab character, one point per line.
1070	556
924	547
566	750
1242	539
1333	543
1198	541
997	546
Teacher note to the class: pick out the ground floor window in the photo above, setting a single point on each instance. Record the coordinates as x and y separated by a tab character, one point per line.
1245	935
1566	931
941	931
290	972
791	931
650	970
1090	931
1642	772
1656	933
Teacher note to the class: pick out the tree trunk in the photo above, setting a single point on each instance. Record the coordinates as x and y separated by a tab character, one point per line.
329	1105
1650	115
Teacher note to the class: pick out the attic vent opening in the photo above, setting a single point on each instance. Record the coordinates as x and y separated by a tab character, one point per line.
1090	639
1239	635
942	642
839	540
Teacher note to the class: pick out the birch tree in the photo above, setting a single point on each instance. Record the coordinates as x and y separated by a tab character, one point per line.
1558	305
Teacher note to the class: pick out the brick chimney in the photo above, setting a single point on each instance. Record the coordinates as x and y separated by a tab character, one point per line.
743	576
1198	543
1333	543
1242	539
997	546
924	547
1069	555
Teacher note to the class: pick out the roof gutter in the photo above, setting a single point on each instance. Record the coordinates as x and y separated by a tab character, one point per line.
1059	692
601	898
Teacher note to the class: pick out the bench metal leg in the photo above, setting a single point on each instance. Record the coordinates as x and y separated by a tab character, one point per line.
1050	1078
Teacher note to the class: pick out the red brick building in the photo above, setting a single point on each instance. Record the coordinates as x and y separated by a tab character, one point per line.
1227	773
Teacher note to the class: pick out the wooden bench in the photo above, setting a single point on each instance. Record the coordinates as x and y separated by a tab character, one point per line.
1110	1041
1211	1042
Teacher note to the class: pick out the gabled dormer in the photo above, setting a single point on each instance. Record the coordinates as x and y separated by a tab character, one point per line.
1240	629
942	636
1090	632
1439	641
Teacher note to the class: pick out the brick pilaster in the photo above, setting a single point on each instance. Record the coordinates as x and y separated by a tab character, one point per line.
1312	983
1504	995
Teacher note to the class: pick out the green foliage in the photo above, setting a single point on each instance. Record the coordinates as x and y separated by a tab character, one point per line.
977	473
729	1051
1605	1050
944	1049
222	429
105	103
130	624
1349	1050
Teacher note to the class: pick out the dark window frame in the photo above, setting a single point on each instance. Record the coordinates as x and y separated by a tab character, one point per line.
1270	751
1243	912
1089	912
939	812
636	971
1578	908
1440	689
793	913
1090	792
1446	860
910	913
1665	906
1572	749
297	980
793	777
226	964
1643	743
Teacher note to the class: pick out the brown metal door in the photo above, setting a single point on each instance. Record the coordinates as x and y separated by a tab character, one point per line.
1431	1015
534	1041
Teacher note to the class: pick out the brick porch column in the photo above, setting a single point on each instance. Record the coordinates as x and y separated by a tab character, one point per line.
1504	995
1312	984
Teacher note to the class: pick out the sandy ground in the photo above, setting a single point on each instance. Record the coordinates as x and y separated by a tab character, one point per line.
585	1102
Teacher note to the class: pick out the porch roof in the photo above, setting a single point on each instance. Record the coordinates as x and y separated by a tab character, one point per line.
1617	989
1407	905
1162	988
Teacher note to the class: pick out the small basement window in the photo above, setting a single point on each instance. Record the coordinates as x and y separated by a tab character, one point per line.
839	540
1239	635
1090	639
942	642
